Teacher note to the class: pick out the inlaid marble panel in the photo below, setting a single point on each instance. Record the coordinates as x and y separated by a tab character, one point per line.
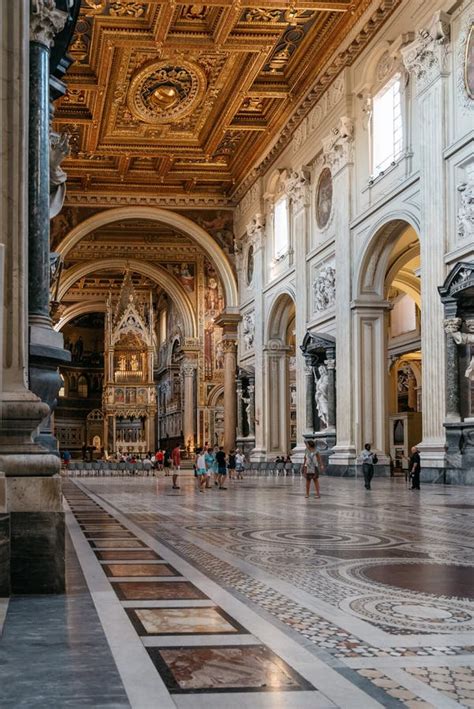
182	621
156	590
140	570
217	669
126	555
110	535
116	544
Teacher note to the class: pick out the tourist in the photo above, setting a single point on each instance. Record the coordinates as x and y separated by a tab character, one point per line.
176	460
231	463
369	459
239	464
215	466
414	468
167	462
221	462
312	466
66	458
210	461
147	465
159	457
201	469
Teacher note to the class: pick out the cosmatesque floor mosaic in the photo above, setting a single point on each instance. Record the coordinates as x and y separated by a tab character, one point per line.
257	597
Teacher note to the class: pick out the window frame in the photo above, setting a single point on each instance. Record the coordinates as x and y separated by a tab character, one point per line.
398	124
279	254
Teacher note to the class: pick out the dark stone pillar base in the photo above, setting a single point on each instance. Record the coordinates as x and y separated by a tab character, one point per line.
4	555
37	552
245	444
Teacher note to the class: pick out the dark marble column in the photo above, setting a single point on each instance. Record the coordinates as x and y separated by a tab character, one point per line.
309	373
331	367
45	22
240	424
251	408
453	412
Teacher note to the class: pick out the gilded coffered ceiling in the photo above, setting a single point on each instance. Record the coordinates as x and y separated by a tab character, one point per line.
177	100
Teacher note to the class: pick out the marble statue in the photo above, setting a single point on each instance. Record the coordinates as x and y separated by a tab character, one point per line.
321	394
58	150
466	338
248	330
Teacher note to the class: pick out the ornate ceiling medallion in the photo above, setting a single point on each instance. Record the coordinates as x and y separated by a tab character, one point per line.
166	91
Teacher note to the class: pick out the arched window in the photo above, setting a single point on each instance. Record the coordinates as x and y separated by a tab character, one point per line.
82	387
387	125
281	231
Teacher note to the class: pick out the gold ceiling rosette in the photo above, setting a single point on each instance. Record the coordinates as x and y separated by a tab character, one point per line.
166	91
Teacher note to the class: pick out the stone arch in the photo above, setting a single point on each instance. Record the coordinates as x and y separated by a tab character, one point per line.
156	273
215	394
188	227
279	316
372	265
79	309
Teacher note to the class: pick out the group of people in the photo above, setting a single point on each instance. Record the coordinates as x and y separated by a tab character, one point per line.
313	466
213	462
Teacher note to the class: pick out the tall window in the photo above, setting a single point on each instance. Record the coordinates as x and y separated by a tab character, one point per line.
281	230
387	128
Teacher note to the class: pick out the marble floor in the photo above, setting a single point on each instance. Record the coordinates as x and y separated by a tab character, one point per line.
253	597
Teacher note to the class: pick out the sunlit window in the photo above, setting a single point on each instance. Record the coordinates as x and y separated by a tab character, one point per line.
281	230
62	391
387	129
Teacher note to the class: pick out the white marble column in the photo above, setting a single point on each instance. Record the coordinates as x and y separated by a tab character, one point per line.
230	366
428	60
298	193
188	370
338	156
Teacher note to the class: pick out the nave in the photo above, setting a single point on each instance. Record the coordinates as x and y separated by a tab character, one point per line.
252	597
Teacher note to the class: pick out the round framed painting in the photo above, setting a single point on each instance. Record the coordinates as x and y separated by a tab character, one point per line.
324	198
469	63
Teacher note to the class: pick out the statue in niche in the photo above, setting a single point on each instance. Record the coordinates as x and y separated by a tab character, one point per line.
466	338
219	355
245	408
321	394
134	365
122	363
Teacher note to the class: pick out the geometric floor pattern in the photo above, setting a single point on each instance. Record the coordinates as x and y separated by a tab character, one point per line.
257	597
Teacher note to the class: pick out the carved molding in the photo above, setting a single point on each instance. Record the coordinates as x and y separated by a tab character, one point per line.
297	187
256	230
45	21
426	57
338	146
465	215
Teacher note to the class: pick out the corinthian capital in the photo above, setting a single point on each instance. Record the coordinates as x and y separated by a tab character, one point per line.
339	144
45	21
296	187
426	56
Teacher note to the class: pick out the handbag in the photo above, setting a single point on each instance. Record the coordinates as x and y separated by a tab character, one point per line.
375	460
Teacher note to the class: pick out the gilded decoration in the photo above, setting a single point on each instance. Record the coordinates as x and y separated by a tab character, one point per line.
165	92
174	103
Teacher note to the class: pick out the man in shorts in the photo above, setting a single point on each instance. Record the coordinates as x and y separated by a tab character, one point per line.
201	470
312	466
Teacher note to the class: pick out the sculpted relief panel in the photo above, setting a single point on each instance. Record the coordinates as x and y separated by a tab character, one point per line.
324	288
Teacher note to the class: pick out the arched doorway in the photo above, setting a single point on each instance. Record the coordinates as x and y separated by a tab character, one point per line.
280	378
388	345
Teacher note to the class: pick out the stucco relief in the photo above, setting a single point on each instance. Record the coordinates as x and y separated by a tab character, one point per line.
465	215
248	330
465	65
324	288
426	56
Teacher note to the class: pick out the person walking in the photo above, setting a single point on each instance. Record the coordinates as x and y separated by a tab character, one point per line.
239	465
221	461
159	457
215	466
201	469
414	467
167	462
176	460
312	466
210	462
369	459
231	463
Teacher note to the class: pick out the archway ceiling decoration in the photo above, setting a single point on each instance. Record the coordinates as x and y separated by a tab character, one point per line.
172	100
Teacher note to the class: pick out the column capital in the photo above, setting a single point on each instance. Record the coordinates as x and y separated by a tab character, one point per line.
338	146
256	230
188	368
297	187
426	57
45	21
